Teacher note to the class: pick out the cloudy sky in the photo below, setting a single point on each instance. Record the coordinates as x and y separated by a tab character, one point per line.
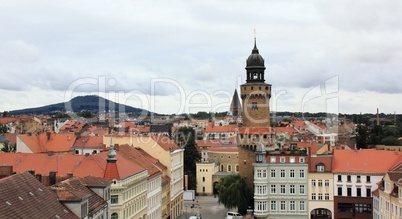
180	56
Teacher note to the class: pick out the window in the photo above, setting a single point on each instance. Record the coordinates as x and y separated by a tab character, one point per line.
339	191
237	168
272	173
312	196
320	167
273	205
254	106
292	205
283	189
222	167
349	191
339	177
358	179
301	189
326	196
319	183
273	189
301	174
358	192
273	159
114	199
283	205
114	216
292	159
313	183
292	173
261	190
229	168
326	183
203	189
84	209
367	178
203	179
368	192
261	206
301	159
349	178
283	159
283	175
259	173
319	196
292	189
302	206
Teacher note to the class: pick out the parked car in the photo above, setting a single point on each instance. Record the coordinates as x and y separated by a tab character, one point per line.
233	215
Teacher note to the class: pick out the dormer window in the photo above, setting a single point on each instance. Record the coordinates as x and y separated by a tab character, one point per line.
320	167
282	159
84	209
292	159
273	159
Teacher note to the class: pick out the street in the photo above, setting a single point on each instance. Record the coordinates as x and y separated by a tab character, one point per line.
207	206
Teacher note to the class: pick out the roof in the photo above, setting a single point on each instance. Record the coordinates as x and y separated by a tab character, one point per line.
89	142
22	196
140	157
79	165
11	137
288	130
364	161
165	142
228	128
46	141
5	120
75	189
97	182
255	130
324	160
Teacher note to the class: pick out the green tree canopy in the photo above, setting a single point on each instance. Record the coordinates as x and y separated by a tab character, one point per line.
185	137
362	136
8	147
3	128
233	192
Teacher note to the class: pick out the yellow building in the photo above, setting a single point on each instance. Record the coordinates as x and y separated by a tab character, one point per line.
205	172
167	153
321	187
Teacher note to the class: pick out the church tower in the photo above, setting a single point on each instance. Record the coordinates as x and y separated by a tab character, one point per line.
255	132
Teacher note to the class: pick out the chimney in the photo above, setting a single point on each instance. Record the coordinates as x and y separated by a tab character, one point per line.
32	172
52	177
69	175
38	177
48	135
378	117
6	170
186	182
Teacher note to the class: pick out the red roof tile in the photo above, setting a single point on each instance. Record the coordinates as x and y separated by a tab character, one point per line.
44	142
364	161
90	142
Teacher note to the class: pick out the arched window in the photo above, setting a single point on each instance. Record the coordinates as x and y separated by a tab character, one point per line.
203	179
320	167
222	167
229	168
237	168
114	216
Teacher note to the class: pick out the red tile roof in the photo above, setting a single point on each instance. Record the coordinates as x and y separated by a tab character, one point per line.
228	128
5	120
140	157
111	171
22	196
79	165
325	160
256	130
44	142
90	142
12	137
364	161
288	130
165	142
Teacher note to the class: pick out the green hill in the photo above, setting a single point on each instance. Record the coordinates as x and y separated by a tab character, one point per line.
90	102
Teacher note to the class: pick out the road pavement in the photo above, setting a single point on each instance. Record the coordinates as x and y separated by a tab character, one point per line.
207	206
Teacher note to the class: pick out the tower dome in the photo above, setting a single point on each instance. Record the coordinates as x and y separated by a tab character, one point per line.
255	66
255	59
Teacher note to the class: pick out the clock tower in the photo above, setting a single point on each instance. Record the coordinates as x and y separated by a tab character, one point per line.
255	131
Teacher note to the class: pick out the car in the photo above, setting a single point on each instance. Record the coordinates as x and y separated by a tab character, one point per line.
197	216
233	215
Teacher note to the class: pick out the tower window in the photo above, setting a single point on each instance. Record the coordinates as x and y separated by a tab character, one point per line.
254	106
255	76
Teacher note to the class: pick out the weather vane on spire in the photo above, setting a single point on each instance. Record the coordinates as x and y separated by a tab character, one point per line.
255	32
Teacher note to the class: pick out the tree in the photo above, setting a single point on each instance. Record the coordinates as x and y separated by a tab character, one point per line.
185	138
3	128
233	192
8	148
362	136
5	114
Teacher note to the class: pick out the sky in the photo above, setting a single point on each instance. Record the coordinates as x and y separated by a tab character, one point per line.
177	57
